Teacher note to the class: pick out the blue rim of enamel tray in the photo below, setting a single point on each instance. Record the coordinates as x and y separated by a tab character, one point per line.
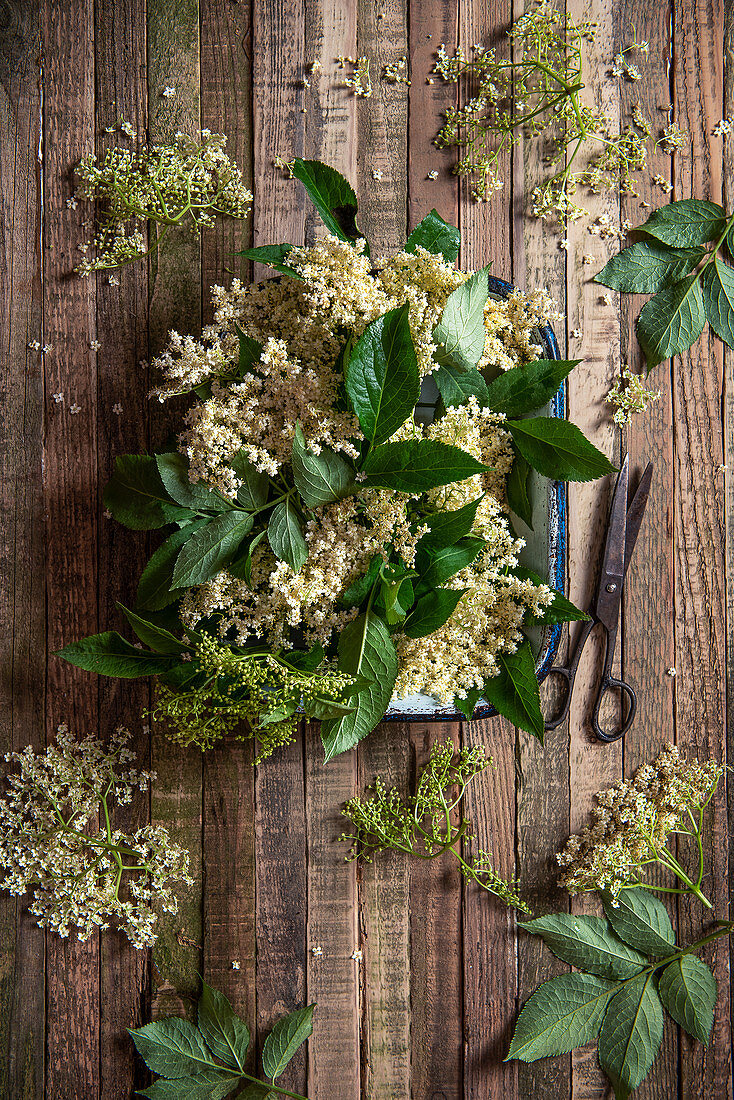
557	528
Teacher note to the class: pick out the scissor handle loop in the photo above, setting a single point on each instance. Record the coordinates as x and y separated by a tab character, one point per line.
611	683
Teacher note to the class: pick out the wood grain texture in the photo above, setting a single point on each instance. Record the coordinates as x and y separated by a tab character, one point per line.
700	639
175	302
70	482
229	778
22	581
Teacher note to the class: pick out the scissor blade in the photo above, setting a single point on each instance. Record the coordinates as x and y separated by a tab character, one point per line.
635	514
614	551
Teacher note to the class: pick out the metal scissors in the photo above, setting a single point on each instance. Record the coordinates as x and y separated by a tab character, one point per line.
622	532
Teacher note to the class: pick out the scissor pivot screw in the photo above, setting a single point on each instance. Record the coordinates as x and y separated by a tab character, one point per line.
611	587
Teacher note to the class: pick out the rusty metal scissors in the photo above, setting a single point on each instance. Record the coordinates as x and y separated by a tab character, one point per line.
622	532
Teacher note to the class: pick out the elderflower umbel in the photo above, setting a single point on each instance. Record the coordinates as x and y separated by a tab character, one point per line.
168	185
629	396
673	138
359	80
83	875
632	823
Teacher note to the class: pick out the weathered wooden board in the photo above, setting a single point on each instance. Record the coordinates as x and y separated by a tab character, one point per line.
418	974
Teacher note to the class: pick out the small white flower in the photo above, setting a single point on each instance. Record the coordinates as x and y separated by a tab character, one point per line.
113	280
356	955
107	514
376	174
168	92
95	345
117	408
235	964
433	175
47	348
58	398
34	345
74	409
575	334
670	671
72	203
317	952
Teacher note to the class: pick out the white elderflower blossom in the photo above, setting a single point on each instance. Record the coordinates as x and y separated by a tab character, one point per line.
629	396
83	875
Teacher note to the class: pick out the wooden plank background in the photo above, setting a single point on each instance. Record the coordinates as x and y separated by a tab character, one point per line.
426	1011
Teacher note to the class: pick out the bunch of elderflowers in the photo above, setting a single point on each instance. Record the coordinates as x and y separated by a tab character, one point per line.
83	874
629	395
633	822
537	92
168	185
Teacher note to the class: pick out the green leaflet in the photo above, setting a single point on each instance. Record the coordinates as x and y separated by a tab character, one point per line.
685	223
365	649
332	196
517	488
286	536
687	988
468	705
431	611
155	588
210	1085
381	378
210	549
717	286
672	320
226	1035
514	691
437	236
641	921
456	386
173	470
253	492
460	334
558	449
319	478
416	465
359	588
563	1013
631	1034
446	528
151	634
648	266
173	1048
285	1039
589	944
250	353
110	655
136	496
273	255
525	389
435	567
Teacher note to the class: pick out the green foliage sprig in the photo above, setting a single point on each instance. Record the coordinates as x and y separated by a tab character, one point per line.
423	825
208	1061
691	284
628	970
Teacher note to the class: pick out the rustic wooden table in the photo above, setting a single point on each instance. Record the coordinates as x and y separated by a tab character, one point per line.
428	1009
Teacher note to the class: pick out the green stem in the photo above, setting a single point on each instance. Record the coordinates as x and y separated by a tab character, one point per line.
273	1088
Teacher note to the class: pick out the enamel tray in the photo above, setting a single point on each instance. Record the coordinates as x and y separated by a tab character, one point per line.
544	552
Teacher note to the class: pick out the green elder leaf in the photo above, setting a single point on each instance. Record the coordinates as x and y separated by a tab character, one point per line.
717	285
514	691
417	465
684	223
641	921
226	1035
630	1034
151	634
319	478
589	944
525	389
273	255
560	611
457	385
468	705
332	196
155	587
647	266
517	488
365	649
137	498
460	334
672	320
210	1085
285	1039
435	567
109	654
558	449
250	353
210	549
258	1092
173	470
253	491
446	528
285	536
357	591
435	235
173	1048
687	988
561	1015
381	377
431	611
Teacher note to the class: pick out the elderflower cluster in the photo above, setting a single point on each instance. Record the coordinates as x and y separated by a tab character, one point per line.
170	185
359	80
629	396
81	874
632	822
